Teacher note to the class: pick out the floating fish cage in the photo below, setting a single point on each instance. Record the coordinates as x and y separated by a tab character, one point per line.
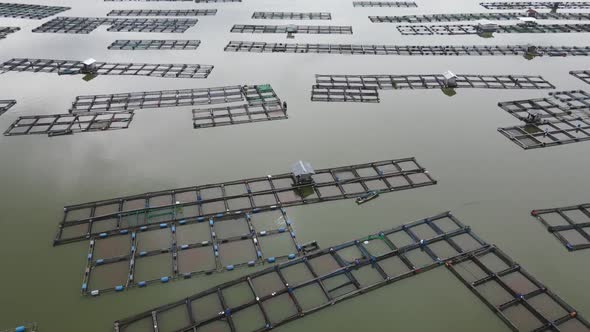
231	115
536	5
73	67
344	94
470	29
569	224
67	124
85	25
307	29
37	12
584	75
407	50
399	4
156	12
5	31
167	252
475	17
291	16
562	118
5	105
120	216
154	44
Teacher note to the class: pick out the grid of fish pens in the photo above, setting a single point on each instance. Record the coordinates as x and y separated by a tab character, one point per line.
278	295
308	29
5	105
536	5
154	44
37	12
475	17
67	124
407	50
158	254
119	216
5	31
561	118
70	67
518	298
584	75
231	115
569	224
291	16
399	4
85	25
469	29
155	12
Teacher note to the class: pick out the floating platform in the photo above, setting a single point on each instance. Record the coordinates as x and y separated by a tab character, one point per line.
344	94
164	253
36	12
399	4
308	29
5	105
154	44
469	29
73	67
231	115
291	16
85	25
67	124
536	5
157	12
475	17
408	50
561	118
569	224
584	75
122	215
5	31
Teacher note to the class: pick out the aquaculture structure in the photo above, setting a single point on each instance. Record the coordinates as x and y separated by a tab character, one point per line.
157	12
155	44
5	31
553	5
37	12
476	17
569	224
472	29
292	16
399	4
231	115
291	28
85	25
584	75
5	105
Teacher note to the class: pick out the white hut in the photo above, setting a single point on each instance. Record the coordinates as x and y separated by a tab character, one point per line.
450	79
302	172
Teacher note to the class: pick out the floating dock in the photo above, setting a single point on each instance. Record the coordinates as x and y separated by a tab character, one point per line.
308	29
67	124
74	67
154	44
5	31
470	29
280	294
584	75
156	12
5	105
84	221
164	253
476	17
561	118
536	5
399	4
291	16
569	224
36	12
85	25
409	50
231	115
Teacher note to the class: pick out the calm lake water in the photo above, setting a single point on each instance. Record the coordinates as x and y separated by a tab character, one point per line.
487	181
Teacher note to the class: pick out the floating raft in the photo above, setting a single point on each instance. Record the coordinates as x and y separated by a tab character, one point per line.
5	31
5	105
85	25
156	12
163	253
562	118
69	67
231	115
173	98
414	50
37	12
291	16
311	29
280	294
401	4
469	29
569	224
584	75
83	221
155	44
67	124
536	5
475	17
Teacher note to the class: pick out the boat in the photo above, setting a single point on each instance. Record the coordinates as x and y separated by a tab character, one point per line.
366	197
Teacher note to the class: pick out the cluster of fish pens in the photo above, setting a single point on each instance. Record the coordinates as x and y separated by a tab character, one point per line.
569	224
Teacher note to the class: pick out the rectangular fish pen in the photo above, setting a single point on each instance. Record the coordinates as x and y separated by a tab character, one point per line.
155	12
399	4
84	221
231	115
5	31
475	17
584	75
162	253
36	12
569	224
154	44
5	105
470	29
72	67
291	16
536	5
85	25
67	124
308	29
408	50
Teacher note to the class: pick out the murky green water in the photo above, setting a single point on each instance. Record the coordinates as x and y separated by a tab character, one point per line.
487	181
